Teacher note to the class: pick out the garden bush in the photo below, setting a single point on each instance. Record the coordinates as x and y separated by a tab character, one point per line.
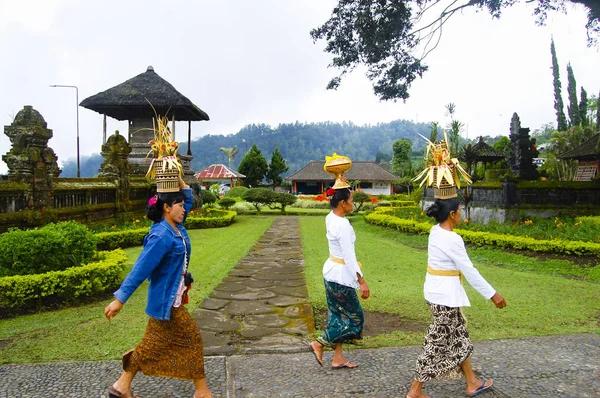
236	192
26	293
283	200
208	197
242	207
212	218
226	203
51	248
259	197
311	204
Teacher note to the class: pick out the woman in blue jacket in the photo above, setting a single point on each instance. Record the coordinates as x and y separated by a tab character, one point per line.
172	345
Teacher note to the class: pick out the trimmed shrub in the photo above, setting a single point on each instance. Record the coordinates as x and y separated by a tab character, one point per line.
207	197
214	219
236	192
360	199
259	197
311	204
121	239
226	203
135	237
284	199
28	293
51	248
242	207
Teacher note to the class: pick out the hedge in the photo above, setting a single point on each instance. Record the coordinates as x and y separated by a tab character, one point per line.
22	293
53	247
577	248
135	237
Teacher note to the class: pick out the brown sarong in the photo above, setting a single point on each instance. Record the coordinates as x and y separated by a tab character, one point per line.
169	348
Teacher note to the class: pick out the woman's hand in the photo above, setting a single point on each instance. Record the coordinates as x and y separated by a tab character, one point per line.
364	290
113	309
182	184
498	300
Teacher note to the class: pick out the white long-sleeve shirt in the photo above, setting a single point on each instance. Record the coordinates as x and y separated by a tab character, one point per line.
341	238
446	251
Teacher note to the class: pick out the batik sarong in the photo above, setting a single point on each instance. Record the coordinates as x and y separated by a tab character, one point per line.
170	348
345	319
447	345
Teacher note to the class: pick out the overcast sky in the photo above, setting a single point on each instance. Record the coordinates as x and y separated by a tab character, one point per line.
247	62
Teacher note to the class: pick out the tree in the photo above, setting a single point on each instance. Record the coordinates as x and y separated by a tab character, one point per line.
573	107
276	168
598	113
360	198
259	197
254	167
454	129
401	162
385	36
583	108
561	119
433	134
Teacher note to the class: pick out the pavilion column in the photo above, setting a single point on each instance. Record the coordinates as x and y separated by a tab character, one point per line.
104	130
189	152
295	188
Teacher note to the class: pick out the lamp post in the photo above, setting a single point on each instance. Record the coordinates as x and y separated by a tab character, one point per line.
77	108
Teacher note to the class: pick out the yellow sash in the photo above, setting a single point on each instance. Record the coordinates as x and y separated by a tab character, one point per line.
440	272
341	261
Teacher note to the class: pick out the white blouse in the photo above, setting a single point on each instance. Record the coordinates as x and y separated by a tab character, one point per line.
341	238
446	251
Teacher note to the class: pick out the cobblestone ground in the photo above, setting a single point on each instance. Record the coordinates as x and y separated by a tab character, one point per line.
556	366
262	305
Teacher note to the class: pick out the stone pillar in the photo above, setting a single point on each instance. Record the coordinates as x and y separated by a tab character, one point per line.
116	167
30	160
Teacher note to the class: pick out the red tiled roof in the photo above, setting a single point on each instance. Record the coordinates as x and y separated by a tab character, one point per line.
218	172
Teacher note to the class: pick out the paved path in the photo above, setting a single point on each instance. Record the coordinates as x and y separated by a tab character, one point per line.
262	305
556	366
261	312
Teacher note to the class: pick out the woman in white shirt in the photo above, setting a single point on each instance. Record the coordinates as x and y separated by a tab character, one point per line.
342	276
447	347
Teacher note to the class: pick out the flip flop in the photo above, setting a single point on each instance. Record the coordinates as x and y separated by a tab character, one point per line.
481	388
114	393
345	365
319	361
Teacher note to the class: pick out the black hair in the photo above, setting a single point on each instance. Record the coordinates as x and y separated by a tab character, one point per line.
338	196
155	212
441	208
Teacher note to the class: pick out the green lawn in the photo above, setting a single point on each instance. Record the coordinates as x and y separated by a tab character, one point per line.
82	333
539	302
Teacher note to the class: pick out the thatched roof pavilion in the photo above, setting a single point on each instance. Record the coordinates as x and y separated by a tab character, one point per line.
131	101
588	155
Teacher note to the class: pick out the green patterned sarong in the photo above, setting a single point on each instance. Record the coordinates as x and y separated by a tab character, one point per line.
345	319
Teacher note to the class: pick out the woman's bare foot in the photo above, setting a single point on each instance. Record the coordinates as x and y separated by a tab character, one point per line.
477	386
344	363
317	350
198	395
418	395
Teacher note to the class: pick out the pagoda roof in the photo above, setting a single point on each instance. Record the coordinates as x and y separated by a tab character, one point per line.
588	150
217	172
131	100
364	171
485	152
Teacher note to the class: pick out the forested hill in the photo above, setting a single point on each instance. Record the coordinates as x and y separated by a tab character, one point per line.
300	143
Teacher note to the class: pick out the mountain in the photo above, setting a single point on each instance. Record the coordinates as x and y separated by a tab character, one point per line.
299	143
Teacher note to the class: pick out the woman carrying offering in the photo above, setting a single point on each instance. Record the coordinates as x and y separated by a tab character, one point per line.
342	276
171	345
447	348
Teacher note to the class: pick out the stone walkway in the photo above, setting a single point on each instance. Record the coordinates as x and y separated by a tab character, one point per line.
261	310
555	366
262	305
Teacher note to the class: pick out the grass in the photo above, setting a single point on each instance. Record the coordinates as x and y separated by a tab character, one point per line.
540	301
82	333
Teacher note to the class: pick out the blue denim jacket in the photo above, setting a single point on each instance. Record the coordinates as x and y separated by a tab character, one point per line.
162	263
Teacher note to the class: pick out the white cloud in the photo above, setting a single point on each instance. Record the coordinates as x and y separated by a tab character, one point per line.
254	62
